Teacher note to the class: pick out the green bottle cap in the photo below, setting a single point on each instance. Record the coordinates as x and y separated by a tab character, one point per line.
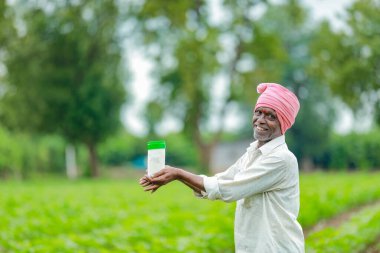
156	144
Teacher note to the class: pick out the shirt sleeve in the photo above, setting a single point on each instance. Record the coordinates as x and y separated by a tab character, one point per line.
258	177
211	183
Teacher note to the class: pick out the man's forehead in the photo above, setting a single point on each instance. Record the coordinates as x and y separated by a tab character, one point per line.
265	110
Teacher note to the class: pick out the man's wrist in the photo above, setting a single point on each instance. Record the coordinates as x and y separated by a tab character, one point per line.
179	174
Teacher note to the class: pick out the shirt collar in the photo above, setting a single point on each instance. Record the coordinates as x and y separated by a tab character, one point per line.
269	146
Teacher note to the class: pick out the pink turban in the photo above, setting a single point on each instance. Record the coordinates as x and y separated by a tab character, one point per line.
280	99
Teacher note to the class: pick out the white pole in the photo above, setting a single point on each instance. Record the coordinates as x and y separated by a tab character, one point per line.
71	165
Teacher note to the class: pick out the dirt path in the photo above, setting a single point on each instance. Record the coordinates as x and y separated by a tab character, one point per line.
336	221
374	248
340	219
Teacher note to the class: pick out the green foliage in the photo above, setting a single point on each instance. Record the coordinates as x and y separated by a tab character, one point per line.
352	151
6	16
120	149
22	156
191	52
63	74
347	59
324	195
181	152
281	50
105	216
10	154
51	154
354	235
118	216
186	64
123	148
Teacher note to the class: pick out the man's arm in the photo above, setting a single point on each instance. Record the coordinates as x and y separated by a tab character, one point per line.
169	174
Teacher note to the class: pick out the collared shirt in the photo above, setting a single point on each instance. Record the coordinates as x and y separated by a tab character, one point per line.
265	184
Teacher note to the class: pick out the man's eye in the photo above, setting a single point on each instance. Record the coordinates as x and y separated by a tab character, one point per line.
271	117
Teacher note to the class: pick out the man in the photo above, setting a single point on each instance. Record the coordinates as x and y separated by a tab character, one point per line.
264	181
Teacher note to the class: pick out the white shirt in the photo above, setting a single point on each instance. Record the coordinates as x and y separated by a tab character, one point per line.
265	184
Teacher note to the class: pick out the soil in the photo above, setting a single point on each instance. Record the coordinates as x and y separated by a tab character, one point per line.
336	221
340	219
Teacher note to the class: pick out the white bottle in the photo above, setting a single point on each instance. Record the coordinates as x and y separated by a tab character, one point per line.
156	156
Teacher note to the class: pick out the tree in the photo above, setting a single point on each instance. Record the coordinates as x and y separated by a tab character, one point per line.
348	59
7	31
64	73
280	51
244	48
191	53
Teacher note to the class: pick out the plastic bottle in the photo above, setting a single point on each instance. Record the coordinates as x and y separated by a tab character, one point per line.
156	156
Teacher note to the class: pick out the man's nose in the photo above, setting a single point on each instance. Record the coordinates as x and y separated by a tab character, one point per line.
261	118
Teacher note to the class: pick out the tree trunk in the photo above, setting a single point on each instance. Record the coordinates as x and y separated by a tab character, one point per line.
307	164
93	160
205	152
71	165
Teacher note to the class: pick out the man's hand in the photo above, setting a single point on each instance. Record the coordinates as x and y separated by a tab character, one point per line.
168	174
159	179
145	182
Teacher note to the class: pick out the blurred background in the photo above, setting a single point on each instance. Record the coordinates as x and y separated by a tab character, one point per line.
84	84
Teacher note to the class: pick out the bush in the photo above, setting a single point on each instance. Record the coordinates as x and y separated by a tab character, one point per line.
180	152
22	155
121	149
124	149
11	154
352	151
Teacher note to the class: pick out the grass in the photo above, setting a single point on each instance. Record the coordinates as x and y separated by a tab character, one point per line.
117	216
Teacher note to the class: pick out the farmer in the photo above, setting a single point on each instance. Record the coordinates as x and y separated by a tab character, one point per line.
264	181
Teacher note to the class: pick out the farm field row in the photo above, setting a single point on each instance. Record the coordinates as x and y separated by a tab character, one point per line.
358	233
117	216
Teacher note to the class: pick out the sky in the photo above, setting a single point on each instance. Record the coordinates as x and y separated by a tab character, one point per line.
141	83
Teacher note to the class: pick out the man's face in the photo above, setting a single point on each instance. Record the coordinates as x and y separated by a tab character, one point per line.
266	125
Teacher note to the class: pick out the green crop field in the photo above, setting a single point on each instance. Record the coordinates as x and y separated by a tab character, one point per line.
117	216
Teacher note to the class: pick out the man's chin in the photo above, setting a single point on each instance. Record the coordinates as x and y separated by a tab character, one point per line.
260	137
